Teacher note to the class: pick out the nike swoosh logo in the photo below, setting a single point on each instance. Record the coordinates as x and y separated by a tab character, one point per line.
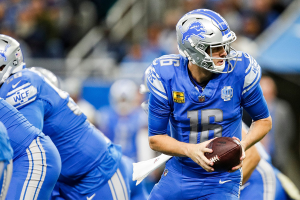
15	85
91	197
222	182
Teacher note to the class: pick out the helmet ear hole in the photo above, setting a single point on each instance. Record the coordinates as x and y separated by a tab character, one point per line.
2	67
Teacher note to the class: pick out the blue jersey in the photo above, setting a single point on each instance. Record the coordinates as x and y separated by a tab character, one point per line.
20	132
82	147
6	152
197	115
122	130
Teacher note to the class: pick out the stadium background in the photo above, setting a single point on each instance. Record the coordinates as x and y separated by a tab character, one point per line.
90	44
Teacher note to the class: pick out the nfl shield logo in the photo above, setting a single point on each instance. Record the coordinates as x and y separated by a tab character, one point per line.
201	98
227	93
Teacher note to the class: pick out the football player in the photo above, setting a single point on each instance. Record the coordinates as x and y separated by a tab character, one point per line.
122	121
136	192
90	163
6	154
201	92
36	161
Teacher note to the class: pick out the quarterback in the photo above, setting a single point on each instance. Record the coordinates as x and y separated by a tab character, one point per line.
201	93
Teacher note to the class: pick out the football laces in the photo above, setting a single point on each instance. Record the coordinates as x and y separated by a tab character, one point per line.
215	159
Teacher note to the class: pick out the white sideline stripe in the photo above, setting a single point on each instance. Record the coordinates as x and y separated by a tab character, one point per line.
33	184
17	89
269	180
123	184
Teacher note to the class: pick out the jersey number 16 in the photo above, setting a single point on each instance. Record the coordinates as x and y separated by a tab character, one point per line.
206	126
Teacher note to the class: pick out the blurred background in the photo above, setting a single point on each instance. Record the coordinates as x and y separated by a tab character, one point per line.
99	49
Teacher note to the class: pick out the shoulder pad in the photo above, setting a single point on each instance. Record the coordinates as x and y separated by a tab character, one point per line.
154	82
252	73
20	89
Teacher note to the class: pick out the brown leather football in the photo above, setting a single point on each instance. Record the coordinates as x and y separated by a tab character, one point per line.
226	153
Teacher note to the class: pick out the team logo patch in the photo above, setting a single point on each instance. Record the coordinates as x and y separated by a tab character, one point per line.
178	97
2	52
227	93
195	29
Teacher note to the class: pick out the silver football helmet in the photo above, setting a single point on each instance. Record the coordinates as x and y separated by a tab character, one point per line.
123	95
11	57
47	74
198	32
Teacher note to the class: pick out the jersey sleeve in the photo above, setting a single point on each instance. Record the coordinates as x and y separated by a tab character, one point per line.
159	108
253	100
19	90
22	91
34	113
252	75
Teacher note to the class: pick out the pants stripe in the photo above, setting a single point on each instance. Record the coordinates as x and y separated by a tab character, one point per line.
112	190
44	168
28	178
269	179
118	187
6	179
121	179
36	172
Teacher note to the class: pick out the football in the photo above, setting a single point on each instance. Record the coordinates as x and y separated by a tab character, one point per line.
226	153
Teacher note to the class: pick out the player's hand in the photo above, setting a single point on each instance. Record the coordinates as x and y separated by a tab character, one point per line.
242	157
196	153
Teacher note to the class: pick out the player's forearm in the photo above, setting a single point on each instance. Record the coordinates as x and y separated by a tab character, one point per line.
168	145
249	164
257	131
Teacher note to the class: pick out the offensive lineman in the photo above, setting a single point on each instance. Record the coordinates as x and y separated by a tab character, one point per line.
36	161
90	164
202	92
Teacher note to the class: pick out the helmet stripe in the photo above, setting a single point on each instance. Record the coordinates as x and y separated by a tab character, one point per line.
220	21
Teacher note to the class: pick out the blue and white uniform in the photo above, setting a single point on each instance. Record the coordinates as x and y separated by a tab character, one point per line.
36	161
123	130
198	114
88	160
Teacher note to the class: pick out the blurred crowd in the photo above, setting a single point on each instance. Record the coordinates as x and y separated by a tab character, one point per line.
50	28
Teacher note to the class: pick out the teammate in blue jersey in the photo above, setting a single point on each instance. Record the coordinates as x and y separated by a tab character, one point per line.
136	192
201	92
36	161
264	182
122	121
6	154
91	165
